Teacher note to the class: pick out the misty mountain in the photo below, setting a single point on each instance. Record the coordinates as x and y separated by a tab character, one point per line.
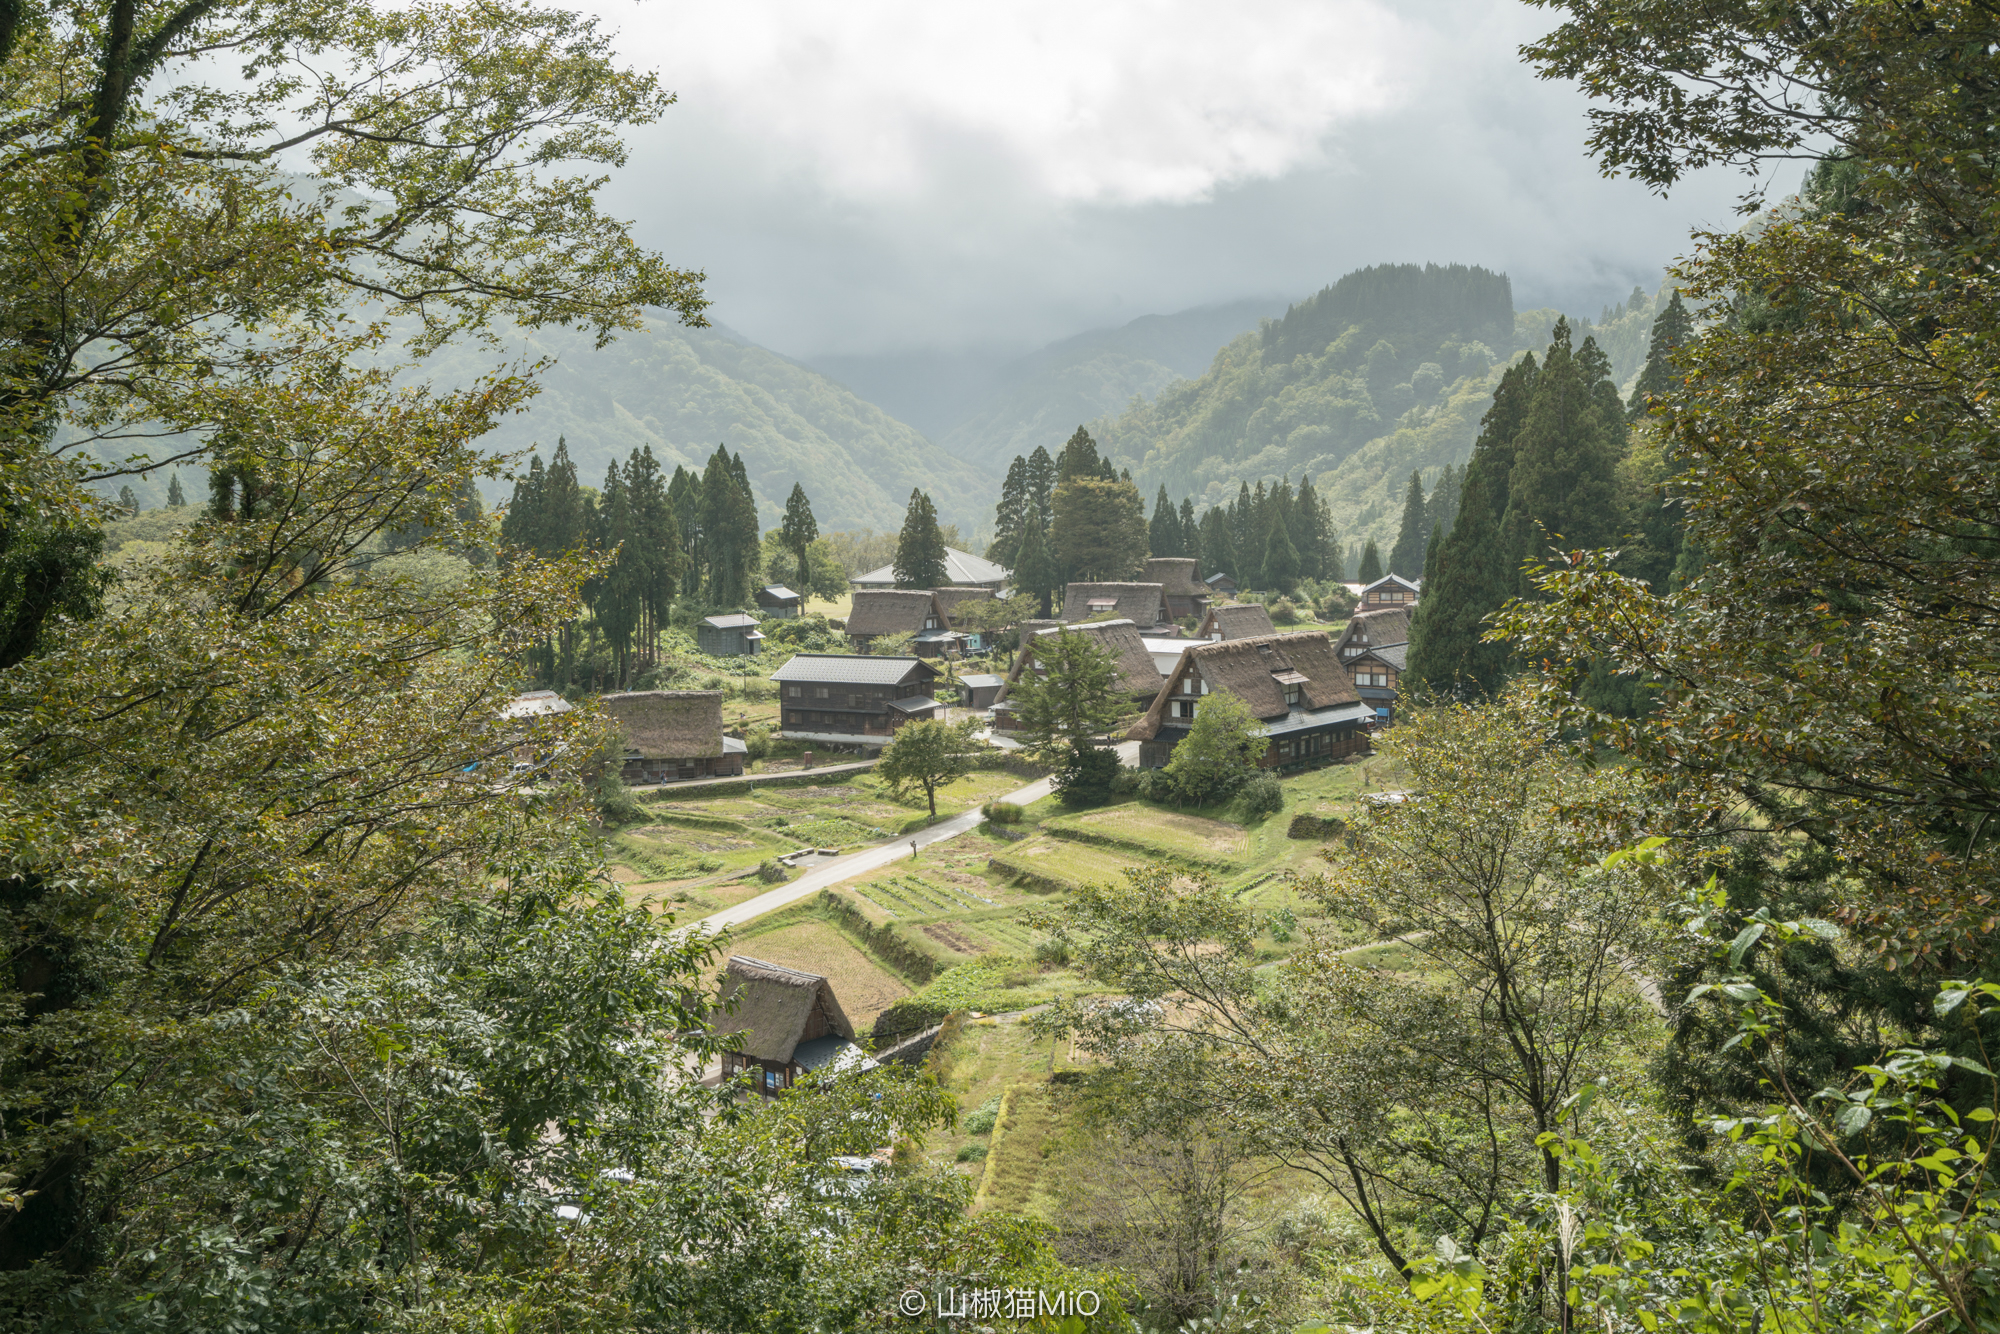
684	391
1385	372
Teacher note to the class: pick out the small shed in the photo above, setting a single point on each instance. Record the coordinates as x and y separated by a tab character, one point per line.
731	635
979	689
1220	584
786	1022
777	600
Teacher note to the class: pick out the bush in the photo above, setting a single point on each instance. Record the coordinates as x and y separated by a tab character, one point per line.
773	872
1086	775
982	1121
1282	924
972	1153
1125	782
1316	827
1152	784
912	1014
757	743
1284	612
1264	795
1003	812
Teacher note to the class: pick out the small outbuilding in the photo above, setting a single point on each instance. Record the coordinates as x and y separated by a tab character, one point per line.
674	735
777	600
731	635
1236	620
1186	595
1220	584
978	690
786	1023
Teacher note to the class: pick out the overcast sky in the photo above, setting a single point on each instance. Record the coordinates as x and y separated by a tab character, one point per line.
871	176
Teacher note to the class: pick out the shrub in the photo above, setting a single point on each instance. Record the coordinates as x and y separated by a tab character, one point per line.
972	1153
912	1014
1316	827
981	1122
1003	812
1284	612
773	872
1125	782
1263	795
1085	775
757	743
1282	924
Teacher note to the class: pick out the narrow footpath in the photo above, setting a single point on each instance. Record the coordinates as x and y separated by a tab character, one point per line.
828	874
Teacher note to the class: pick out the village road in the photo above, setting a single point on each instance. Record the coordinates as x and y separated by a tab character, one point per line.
859	863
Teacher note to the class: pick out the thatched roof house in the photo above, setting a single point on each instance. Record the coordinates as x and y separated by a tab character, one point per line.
899	611
786	1022
1294	684
1138	672
1144	605
953	601
1373	630
1185	594
1237	620
962	569
674	734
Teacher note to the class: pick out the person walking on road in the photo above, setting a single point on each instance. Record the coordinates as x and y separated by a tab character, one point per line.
913	849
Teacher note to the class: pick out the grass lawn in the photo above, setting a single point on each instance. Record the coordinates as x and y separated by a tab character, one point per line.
1147	829
1056	862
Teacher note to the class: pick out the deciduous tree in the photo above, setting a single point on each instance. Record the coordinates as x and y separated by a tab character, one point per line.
925	756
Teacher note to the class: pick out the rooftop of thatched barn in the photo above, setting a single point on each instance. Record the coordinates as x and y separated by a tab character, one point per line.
669	724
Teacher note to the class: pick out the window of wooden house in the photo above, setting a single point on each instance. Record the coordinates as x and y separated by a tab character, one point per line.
793	692
822	692
1291	694
1371	679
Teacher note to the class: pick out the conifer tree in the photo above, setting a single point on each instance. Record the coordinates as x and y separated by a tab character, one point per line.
1371	564
1218	546
1562	481
128	500
1190	535
1035	569
658	561
1012	515
615	596
729	530
176	498
1163	533
1442	506
1041	478
1079	458
798	531
1243	534
684	500
1281	558
1672	327
920	551
521	523
1312	533
1099	529
1407	556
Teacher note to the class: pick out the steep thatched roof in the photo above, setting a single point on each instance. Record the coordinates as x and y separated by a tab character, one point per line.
1238	620
893	611
1142	604
779	1008
1249	669
1175	575
1138	675
1374	629
960	567
669	724
952	600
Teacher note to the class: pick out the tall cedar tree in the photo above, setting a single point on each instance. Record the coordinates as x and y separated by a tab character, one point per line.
1079	458
1474	575
1371	564
1407	556
1012	515
1312	533
1163	532
1441	509
1190	535
1035	571
1218	549
731	549
920	551
1672	328
798	532
176	498
1563	481
1281	559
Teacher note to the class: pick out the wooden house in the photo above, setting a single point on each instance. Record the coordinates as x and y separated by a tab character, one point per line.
1294	684
847	699
1236	620
900	611
1374	648
1220	585
1145	605
1391	590
1138	673
777	600
731	635
674	735
1186	595
785	1024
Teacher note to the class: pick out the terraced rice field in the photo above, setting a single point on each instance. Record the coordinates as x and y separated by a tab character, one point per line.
1149	830
1060	862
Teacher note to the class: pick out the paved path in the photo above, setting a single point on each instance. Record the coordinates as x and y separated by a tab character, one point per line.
859	863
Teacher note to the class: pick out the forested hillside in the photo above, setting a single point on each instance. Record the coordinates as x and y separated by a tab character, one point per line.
1383	373
685	391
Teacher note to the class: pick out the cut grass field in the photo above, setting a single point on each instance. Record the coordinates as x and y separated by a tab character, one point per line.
1150	831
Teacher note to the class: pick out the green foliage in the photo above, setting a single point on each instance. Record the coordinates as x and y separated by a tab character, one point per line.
1099	528
1085	775
1002	812
798	532
1067	697
981	1120
1370	568
925	756
1263	795
920	549
1407	556
1220	752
